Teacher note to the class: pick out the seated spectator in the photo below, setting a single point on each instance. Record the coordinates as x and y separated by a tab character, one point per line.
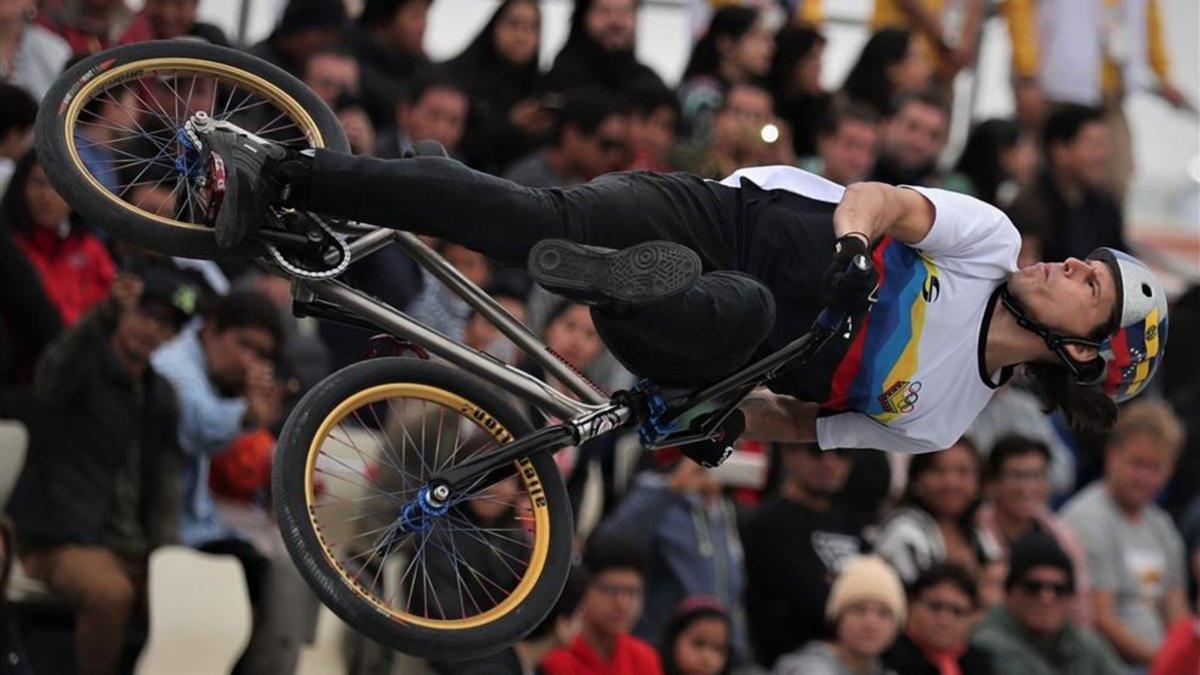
1068	205
591	139
913	137
611	604
499	73
653	119
28	320
169	19
107	122
789	577
1017	409
90	26
74	267
1135	556
892	66
1018	502
847	144
439	307
697	640
388	39
736	49
599	50
223	373
935	521
16	129
795	78
865	611
942	606
306	27
481	334
690	530
435	108
333	75
999	159
99	490
558	630
741	137
947	33
1032	633
31	55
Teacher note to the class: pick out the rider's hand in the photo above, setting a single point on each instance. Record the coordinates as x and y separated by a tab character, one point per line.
843	290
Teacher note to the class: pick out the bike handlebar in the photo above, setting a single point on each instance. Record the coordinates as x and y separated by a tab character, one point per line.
831	318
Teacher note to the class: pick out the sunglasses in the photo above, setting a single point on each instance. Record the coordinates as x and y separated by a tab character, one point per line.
938	606
1035	587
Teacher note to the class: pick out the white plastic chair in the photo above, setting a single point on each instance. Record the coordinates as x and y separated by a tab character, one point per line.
200	616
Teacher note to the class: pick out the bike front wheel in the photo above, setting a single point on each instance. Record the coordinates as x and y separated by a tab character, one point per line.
351	464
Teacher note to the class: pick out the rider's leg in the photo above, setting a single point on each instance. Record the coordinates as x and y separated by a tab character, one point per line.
446	199
696	337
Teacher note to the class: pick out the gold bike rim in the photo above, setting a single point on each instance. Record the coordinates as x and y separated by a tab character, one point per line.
187	65
485	421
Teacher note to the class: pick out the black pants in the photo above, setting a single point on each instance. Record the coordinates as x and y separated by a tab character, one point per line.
692	338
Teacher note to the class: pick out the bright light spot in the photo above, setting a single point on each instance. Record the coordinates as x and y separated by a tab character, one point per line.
770	133
1193	168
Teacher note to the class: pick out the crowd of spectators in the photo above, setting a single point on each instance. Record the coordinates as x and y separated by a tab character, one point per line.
152	387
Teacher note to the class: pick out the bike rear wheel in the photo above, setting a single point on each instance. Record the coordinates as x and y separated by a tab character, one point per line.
107	135
351	463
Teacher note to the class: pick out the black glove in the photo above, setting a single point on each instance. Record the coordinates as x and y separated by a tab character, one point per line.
844	287
711	453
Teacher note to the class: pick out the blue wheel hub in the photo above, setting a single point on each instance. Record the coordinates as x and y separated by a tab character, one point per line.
422	512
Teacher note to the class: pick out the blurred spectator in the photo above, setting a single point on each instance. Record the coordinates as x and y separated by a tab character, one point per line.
1018	503
1032	633
736	49
690	530
795	78
942	606
1135	556
936	519
1068	205
653	119
306	27
499	73
847	144
169	19
741	136
949	30
31	56
16	129
1181	386
440	308
304	360
1016	409
481	334
100	488
913	137
697	640
28	320
591	139
90	26
866	611
789	577
332	74
74	267
892	65
558	630
999	159
109	121
611	604
434	108
223	373
388	41
1112	49
599	50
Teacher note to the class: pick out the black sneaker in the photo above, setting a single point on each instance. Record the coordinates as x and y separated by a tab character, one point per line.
636	275
239	192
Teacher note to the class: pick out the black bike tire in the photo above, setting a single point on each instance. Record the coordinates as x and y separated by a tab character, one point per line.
288	485
55	156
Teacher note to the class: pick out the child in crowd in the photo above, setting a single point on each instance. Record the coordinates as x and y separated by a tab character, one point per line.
699	638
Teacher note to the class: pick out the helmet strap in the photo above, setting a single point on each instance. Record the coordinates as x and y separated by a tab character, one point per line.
1055	342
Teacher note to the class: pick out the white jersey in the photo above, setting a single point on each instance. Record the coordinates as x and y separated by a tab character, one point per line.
913	378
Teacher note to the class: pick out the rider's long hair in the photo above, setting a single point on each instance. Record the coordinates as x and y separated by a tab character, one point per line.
1086	408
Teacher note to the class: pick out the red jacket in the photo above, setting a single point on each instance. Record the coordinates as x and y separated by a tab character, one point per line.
630	656
88	37
1180	652
76	270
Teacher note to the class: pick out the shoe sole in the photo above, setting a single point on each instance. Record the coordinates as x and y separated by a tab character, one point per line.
641	273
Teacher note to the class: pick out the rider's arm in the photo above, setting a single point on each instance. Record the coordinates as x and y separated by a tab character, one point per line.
779	418
878	209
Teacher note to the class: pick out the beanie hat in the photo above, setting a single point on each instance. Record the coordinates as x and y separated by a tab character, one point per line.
302	15
866	577
1037	549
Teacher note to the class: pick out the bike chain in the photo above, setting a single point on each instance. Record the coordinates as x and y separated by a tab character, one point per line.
313	275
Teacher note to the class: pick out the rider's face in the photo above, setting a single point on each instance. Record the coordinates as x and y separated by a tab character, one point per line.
1073	297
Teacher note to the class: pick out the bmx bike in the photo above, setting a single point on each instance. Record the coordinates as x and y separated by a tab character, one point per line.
420	504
